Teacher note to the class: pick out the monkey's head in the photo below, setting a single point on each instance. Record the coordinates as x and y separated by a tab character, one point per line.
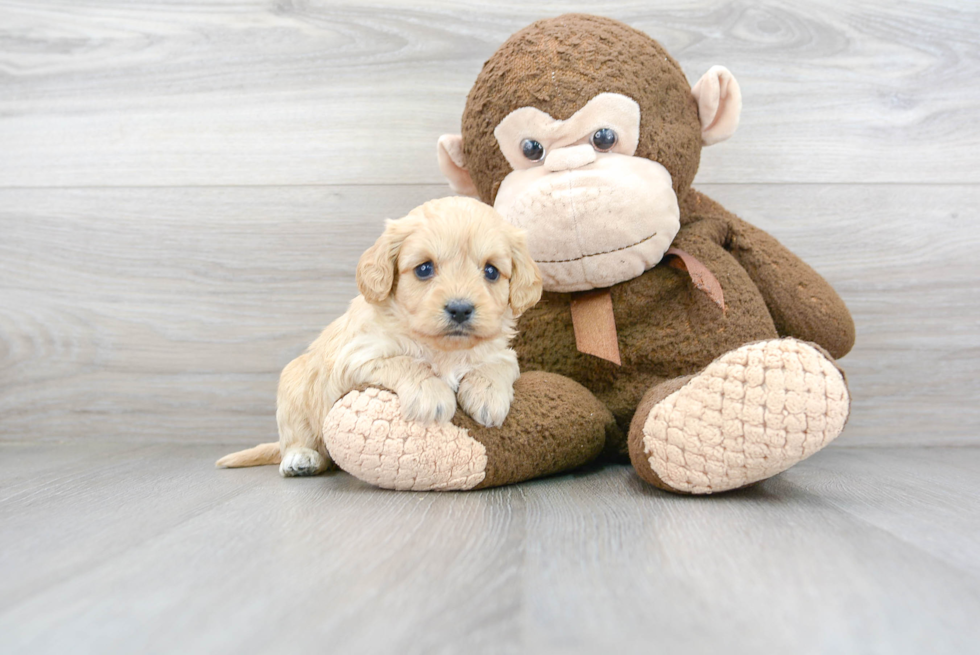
584	132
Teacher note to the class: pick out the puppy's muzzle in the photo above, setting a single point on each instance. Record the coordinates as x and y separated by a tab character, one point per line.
459	311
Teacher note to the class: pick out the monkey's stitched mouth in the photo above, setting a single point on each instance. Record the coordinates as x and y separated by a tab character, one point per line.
577	182
595	254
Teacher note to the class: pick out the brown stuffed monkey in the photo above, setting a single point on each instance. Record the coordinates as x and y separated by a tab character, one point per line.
671	331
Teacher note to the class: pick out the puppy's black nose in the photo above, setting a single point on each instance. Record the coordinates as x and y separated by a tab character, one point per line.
459	311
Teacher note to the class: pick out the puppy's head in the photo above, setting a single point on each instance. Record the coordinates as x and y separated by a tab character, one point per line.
453	271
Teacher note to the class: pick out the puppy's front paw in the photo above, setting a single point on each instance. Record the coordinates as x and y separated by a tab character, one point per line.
432	401
487	402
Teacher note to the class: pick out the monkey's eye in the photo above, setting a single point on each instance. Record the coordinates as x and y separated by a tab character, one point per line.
490	272
425	271
532	149
604	139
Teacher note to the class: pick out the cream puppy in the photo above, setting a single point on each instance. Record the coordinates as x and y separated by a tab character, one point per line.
440	294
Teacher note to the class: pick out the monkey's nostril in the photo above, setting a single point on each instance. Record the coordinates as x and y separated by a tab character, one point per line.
459	311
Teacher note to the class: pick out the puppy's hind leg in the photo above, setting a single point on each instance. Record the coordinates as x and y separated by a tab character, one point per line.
303	451
301	462
302	447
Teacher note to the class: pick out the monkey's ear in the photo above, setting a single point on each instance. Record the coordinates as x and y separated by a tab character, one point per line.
525	277
449	151
376	268
719	104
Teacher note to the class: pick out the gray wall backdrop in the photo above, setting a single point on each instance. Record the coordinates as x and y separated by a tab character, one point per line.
185	188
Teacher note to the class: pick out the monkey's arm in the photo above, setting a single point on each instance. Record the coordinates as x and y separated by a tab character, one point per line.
802	304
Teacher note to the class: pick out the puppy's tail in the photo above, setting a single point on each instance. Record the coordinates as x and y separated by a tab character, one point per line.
264	453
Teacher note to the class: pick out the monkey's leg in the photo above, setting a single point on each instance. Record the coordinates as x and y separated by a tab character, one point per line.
752	413
554	425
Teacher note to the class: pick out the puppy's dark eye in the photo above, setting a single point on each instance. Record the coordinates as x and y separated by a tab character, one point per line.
532	149
425	271
490	272
604	139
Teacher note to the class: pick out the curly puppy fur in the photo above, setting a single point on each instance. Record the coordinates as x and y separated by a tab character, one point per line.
401	332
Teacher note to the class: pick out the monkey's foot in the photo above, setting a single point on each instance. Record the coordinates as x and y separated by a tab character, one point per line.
554	425
752	413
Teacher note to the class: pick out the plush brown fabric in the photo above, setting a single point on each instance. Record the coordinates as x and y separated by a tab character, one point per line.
667	328
554	425
557	65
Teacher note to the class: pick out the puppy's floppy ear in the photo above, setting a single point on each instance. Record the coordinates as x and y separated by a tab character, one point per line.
525	278
376	268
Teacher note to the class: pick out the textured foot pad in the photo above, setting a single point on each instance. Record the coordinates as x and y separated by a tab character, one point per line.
367	436
751	414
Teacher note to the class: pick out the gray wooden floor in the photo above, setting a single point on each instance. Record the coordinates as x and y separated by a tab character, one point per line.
145	548
185	188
